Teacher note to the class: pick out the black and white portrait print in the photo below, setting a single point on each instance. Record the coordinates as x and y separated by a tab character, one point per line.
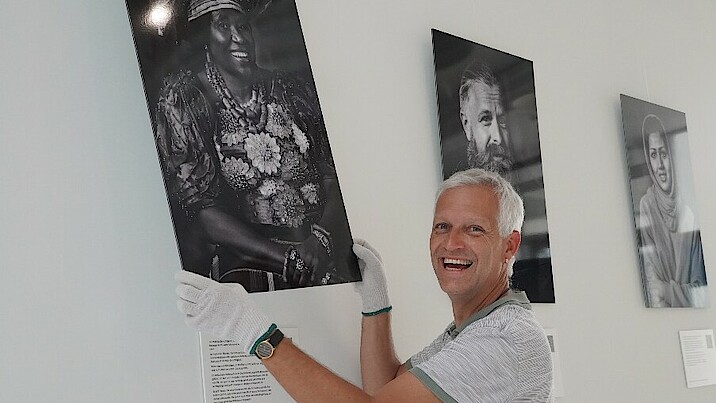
248	170
665	216
488	119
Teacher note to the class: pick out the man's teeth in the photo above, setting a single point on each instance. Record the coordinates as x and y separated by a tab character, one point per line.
240	54
456	263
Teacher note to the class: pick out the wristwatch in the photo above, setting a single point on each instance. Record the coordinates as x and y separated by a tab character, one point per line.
265	348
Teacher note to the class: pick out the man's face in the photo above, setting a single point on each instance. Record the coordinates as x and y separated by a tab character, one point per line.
231	43
466	250
483	120
660	161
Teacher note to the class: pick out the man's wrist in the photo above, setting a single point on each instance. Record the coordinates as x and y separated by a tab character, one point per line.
261	338
267	344
379	311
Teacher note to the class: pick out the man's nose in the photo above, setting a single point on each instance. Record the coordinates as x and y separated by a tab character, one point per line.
495	133
454	240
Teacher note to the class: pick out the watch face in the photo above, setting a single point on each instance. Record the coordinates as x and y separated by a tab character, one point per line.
264	350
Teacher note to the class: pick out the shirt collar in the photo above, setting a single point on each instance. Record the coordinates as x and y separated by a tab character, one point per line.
512	297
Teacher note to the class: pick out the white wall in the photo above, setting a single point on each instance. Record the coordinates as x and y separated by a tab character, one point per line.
87	251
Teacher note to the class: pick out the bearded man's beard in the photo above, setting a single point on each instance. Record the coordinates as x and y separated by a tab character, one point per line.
495	158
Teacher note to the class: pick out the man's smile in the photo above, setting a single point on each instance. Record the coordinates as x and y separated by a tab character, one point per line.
456	264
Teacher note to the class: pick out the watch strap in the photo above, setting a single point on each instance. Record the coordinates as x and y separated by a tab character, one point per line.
264	348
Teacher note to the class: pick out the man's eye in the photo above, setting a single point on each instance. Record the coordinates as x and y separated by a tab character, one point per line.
475	228
441	226
486	119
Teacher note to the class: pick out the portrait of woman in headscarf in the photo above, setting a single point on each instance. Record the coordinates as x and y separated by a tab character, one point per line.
246	160
670	247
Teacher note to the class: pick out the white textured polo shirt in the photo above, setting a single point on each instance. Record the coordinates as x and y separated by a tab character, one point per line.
500	354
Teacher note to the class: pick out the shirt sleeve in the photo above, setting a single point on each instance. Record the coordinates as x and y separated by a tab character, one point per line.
182	128
479	365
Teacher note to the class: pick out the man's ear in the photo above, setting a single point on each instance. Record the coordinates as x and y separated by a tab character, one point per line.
465	126
512	243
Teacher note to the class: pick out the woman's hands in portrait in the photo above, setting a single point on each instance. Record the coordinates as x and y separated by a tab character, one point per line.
316	258
295	269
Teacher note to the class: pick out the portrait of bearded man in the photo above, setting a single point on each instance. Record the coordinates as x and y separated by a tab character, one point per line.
482	114
487	111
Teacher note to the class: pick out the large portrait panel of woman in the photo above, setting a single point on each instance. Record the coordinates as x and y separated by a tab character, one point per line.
242	144
665	216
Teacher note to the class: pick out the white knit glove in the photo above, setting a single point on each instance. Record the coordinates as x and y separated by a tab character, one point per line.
373	289
222	311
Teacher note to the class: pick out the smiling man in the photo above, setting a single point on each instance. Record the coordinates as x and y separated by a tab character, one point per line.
493	351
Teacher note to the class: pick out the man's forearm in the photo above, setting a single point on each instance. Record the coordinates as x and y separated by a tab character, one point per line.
378	362
308	381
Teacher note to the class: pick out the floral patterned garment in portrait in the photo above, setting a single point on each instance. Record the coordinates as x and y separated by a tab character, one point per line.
269	165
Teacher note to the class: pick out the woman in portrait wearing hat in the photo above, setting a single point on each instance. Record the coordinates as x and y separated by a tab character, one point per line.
246	158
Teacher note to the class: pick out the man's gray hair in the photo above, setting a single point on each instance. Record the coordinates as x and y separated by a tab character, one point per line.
510	209
477	71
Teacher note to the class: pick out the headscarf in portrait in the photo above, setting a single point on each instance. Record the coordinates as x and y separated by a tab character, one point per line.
667	202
